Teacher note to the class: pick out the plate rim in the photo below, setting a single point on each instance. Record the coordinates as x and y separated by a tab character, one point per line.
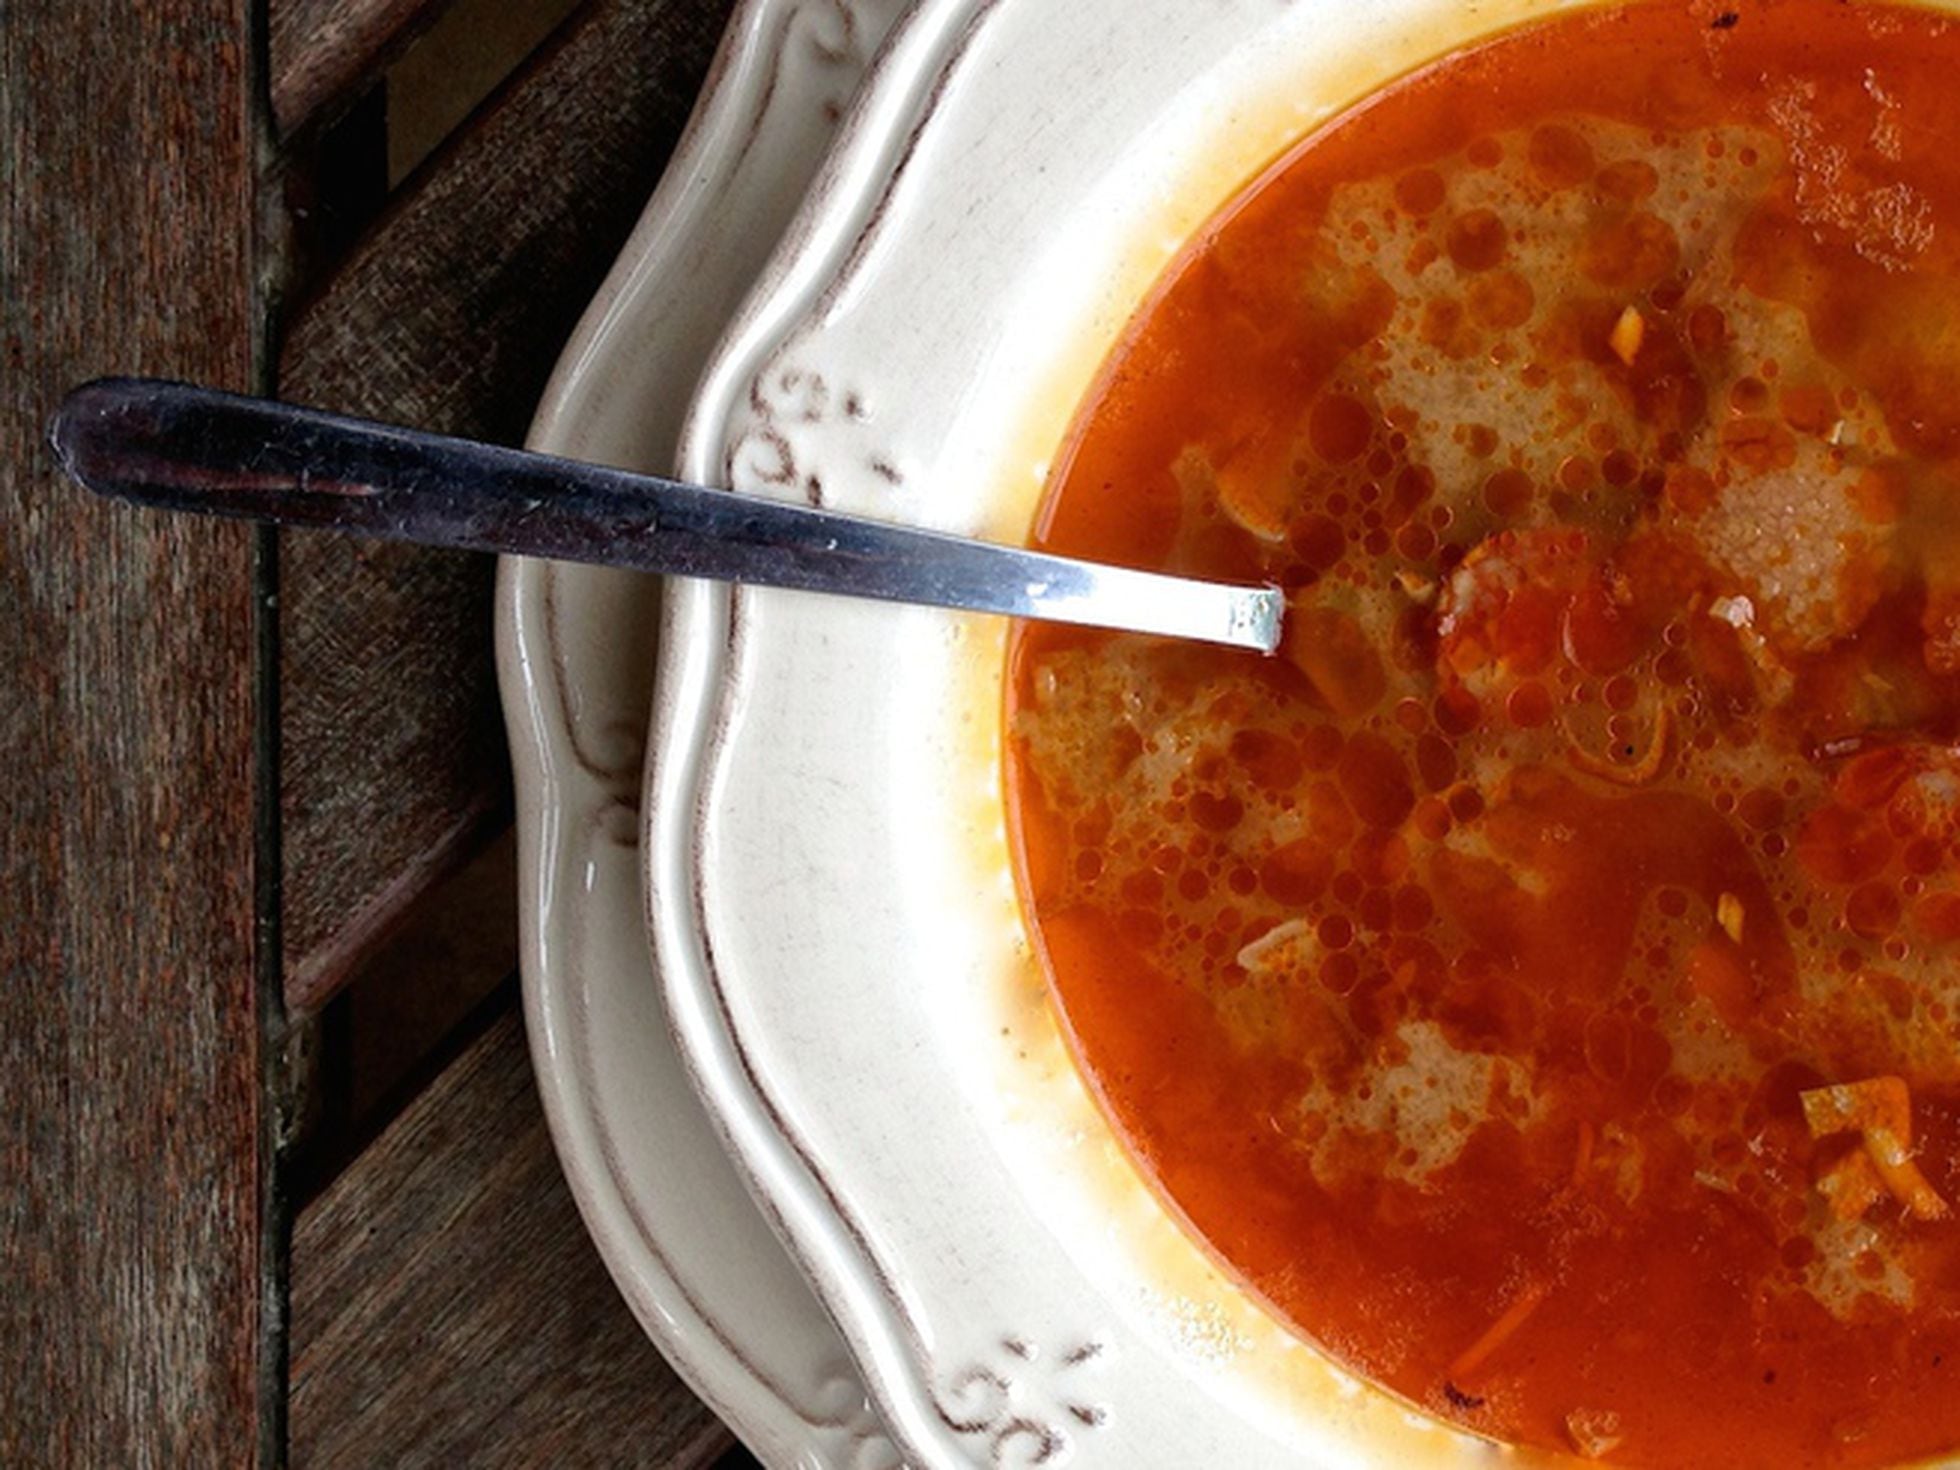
932	1414
924	1400
738	112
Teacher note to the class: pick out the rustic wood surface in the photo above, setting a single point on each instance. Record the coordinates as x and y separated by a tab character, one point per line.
449	1309
324	51
453	272
449	316
133	1314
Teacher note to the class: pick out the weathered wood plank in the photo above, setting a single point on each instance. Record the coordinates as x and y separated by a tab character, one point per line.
394	768
449	316
324	51
133	1308
448	1308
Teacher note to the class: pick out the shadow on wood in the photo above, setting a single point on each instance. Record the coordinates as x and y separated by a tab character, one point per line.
449	1308
449	316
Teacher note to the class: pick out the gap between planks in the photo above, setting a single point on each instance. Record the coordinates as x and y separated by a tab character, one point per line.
324	52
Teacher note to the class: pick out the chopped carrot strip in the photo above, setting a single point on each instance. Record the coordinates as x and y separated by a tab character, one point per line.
1851	1186
1728	913
1416	587
1854	1107
1627	335
1879	1109
1498	1333
1902	1176
1641	772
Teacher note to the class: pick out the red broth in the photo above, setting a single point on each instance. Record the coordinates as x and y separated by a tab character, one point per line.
1540	982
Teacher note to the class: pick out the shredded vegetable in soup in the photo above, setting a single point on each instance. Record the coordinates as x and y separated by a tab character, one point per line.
1541	982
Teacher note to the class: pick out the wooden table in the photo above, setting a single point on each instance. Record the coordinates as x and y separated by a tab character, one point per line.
277	1183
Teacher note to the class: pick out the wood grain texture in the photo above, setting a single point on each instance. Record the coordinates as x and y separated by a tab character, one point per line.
324	51
131	1271
385	1036
449	317
449	1309
471	50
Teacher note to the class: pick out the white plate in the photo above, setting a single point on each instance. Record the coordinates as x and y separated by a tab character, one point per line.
575	650
834	918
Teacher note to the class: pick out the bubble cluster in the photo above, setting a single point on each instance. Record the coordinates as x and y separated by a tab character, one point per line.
1605	796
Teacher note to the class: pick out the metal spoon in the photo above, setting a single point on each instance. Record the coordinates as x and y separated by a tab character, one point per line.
189	448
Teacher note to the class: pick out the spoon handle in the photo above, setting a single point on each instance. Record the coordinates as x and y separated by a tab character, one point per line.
188	448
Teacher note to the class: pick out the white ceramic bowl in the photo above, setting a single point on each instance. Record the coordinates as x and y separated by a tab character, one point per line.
834	920
692	1257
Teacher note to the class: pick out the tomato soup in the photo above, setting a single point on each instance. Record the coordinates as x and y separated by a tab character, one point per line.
1541	981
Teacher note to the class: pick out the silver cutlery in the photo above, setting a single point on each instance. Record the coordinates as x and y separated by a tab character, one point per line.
188	448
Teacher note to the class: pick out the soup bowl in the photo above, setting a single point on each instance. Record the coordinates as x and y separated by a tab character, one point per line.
829	885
